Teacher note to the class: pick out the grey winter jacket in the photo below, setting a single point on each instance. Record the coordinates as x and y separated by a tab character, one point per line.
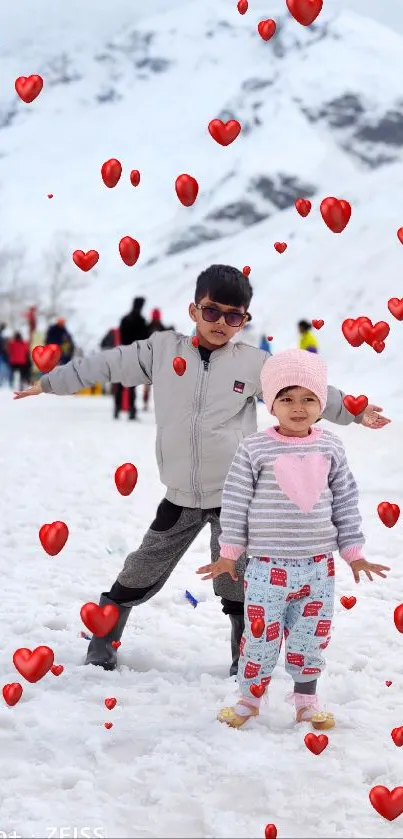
200	416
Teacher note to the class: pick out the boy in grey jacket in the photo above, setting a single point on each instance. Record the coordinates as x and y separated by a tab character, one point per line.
201	417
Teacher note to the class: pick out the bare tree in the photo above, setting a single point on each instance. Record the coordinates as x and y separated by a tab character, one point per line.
60	282
16	291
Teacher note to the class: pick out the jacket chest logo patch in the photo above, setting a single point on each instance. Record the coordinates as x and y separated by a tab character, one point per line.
239	387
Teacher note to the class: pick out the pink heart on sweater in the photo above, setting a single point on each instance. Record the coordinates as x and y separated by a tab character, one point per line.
302	479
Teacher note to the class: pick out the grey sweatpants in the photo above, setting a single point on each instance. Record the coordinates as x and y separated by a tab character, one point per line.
169	536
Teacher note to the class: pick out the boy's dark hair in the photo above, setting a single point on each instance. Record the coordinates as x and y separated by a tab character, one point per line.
305	325
224	284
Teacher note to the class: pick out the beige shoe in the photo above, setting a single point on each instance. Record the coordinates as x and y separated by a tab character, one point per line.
320	720
234	720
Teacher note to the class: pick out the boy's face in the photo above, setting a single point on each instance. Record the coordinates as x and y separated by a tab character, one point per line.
296	411
214	334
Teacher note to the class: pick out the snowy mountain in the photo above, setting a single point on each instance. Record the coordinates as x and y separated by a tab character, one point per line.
321	111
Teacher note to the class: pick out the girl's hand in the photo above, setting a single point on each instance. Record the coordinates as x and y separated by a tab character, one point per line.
35	390
370	568
222	566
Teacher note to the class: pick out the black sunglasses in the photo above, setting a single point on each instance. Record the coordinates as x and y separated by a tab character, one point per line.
212	315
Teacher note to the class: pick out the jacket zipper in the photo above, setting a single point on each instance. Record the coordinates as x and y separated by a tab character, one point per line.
196	421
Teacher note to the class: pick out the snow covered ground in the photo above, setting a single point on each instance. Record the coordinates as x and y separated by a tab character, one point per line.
167	768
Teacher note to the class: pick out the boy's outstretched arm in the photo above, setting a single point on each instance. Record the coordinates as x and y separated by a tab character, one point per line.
130	365
336	411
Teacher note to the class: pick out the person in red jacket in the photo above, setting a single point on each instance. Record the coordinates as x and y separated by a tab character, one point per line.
18	355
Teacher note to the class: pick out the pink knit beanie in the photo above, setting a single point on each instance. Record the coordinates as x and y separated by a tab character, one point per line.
294	368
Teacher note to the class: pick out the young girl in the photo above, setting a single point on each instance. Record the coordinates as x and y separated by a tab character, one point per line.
290	500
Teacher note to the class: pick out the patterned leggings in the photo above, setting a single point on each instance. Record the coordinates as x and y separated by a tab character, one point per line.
295	599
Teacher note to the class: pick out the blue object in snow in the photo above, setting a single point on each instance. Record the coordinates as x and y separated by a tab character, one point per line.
191	599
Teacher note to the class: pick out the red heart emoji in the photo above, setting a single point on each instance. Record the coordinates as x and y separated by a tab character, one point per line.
280	247
348	602
57	669
246	271
303	207
135	177
378	346
99	619
364	319
46	358
316	743
28	88
129	250
355	404
397	736
395	307
179	365
126	478
335	213
270	338
388	513
373	332
266	29
53	537
257	627
186	188
270	831
224	133
111	172
398	617
33	665
50	195
388	804
400	234
242	6
110	703
350	331
388	684
305	11
85	261
257	690
12	693
116	644
318	324
195	341
108	725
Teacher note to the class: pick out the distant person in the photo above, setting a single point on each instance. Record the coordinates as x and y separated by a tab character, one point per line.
133	327
110	340
37	340
5	371
307	339
155	325
265	344
59	334
249	335
18	355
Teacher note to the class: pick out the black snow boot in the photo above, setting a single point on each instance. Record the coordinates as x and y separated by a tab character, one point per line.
237	628
100	651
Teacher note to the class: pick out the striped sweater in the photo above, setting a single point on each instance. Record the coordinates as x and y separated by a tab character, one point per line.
290	498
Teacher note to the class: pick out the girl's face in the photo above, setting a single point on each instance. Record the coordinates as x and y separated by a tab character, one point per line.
296	410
